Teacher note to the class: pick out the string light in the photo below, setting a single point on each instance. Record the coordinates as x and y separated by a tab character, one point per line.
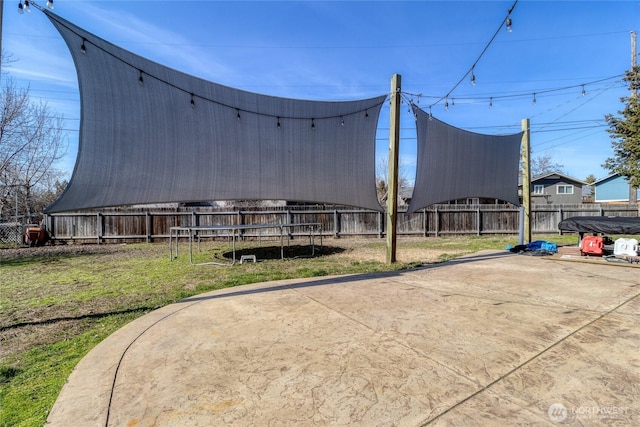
508	23
506	20
27	3
313	124
529	94
26	6
446	106
23	4
23	7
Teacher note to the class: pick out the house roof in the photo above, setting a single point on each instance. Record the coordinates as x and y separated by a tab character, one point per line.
606	178
552	174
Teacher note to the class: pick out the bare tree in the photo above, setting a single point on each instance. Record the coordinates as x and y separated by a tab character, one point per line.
31	142
382	173
13	123
544	164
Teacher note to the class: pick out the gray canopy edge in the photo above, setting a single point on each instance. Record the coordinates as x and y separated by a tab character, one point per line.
151	134
454	164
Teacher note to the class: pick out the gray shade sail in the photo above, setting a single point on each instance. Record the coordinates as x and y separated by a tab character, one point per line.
151	134
455	164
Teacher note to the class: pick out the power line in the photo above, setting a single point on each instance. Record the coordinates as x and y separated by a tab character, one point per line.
507	22
528	94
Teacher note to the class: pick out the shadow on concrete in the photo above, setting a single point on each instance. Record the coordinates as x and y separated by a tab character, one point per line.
348	278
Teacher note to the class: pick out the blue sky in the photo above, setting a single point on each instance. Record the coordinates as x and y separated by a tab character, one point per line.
342	50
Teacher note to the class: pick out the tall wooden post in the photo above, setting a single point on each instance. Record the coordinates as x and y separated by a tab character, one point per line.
392	184
526	179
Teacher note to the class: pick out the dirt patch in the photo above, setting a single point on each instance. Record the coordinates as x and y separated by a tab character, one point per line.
374	249
357	249
55	250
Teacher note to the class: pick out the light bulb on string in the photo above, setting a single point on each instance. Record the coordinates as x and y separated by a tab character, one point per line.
491	102
20	8
473	78
238	114
341	121
453	102
83	47
50	4
508	24
313	124
193	102
278	123
446	105
583	91
140	79
534	99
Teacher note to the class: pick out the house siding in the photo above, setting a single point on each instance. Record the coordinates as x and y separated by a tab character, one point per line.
613	189
551	195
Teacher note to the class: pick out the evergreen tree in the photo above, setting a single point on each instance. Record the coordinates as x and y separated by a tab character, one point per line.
625	134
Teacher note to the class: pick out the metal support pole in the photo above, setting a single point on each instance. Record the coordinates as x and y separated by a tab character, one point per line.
526	179
521	225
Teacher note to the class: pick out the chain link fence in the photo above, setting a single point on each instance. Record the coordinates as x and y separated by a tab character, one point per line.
11	233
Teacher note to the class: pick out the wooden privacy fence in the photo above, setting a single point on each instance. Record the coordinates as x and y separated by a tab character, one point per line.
146	225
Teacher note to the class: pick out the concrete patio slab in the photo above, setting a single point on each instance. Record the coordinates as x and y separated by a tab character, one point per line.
490	339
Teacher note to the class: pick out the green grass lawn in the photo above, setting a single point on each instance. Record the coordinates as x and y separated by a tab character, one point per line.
56	306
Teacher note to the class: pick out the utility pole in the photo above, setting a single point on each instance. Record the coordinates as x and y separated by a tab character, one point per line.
634	61
526	179
633	191
392	184
1	10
